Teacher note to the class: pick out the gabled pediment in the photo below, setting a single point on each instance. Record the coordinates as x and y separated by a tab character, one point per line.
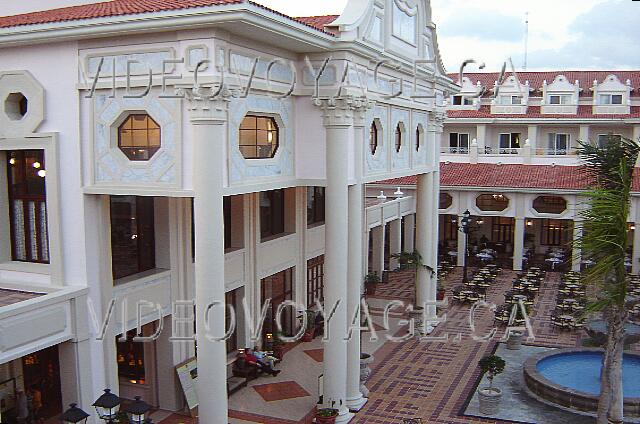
559	84
611	84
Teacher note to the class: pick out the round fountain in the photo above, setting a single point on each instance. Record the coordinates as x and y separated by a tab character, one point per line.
570	378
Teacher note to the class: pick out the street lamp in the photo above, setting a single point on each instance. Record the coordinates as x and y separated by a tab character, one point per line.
465	224
107	406
136	411
74	415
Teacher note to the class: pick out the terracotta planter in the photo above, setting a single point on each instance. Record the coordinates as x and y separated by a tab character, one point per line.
327	420
489	400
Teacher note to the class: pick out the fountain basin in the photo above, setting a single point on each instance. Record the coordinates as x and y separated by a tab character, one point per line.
570	378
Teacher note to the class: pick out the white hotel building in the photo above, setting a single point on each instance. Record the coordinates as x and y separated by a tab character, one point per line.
99	172
510	160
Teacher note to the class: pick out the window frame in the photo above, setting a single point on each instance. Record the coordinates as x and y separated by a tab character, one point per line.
514	139
276	226
549	200
399	137
460	100
458	143
399	27
561	99
553	232
315	280
609	99
604	137
145	220
129	151
553	143
484	202
316	210
273	133
374	137
39	229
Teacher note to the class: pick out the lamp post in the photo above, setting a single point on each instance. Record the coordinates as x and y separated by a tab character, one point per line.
107	406
74	415
465	224
137	410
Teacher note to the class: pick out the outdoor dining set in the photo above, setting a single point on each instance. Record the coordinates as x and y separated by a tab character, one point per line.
476	288
525	288
570	302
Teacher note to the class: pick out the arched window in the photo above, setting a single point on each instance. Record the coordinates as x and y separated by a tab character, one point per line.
492	202
399	136
374	134
258	137
139	137
550	204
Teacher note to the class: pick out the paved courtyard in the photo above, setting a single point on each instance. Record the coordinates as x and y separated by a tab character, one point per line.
432	379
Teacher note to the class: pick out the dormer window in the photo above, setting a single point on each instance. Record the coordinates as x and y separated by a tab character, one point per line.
610	99
510	100
560	99
460	100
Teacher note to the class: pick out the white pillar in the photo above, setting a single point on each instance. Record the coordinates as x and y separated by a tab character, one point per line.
584	133
532	135
357	258
424	236
338	122
462	244
518	244
481	136
409	232
576	257
377	257
395	242
208	118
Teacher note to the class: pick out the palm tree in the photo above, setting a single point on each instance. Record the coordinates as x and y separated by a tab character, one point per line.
604	239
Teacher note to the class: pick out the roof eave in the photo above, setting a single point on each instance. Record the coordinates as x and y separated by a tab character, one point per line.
162	21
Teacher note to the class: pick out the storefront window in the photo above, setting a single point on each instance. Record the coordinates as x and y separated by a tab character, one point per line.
315	280
271	213
131	359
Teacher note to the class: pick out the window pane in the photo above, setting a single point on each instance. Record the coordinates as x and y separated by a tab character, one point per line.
132	235
616	99
139	137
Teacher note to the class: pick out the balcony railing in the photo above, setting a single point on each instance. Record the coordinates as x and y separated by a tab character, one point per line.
555	152
455	150
488	150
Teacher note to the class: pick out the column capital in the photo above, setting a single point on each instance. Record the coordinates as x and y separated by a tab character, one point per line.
207	105
436	120
344	111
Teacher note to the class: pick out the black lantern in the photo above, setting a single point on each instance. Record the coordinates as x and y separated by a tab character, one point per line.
465	223
136	411
107	406
74	415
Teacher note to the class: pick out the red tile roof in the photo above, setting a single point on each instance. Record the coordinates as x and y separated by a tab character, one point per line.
533	112
536	79
132	7
489	175
317	22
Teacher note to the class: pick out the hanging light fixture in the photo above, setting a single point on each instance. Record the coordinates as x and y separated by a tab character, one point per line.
74	415
107	406
137	410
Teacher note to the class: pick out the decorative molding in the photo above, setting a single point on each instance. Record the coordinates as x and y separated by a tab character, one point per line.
207	105
342	111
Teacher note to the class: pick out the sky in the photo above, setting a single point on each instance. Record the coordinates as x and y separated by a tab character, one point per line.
563	34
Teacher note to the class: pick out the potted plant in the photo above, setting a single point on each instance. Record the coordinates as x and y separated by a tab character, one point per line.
326	415
278	346
370	282
310	331
490	396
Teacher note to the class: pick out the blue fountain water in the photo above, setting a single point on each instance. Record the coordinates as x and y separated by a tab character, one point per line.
581	371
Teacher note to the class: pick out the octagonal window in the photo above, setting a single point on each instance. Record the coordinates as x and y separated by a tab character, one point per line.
492	202
16	106
374	136
399	136
258	137
139	137
550	204
445	201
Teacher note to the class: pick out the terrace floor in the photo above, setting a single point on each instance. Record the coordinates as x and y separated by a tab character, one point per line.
433	379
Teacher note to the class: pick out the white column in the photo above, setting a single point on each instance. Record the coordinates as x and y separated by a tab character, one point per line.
338	121
576	258
409	232
635	255
424	236
377	257
395	242
481	136
357	258
518	244
532	135
584	133
208	119
462	244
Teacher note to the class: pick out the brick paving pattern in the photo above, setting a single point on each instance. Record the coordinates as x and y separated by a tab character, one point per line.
433	379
